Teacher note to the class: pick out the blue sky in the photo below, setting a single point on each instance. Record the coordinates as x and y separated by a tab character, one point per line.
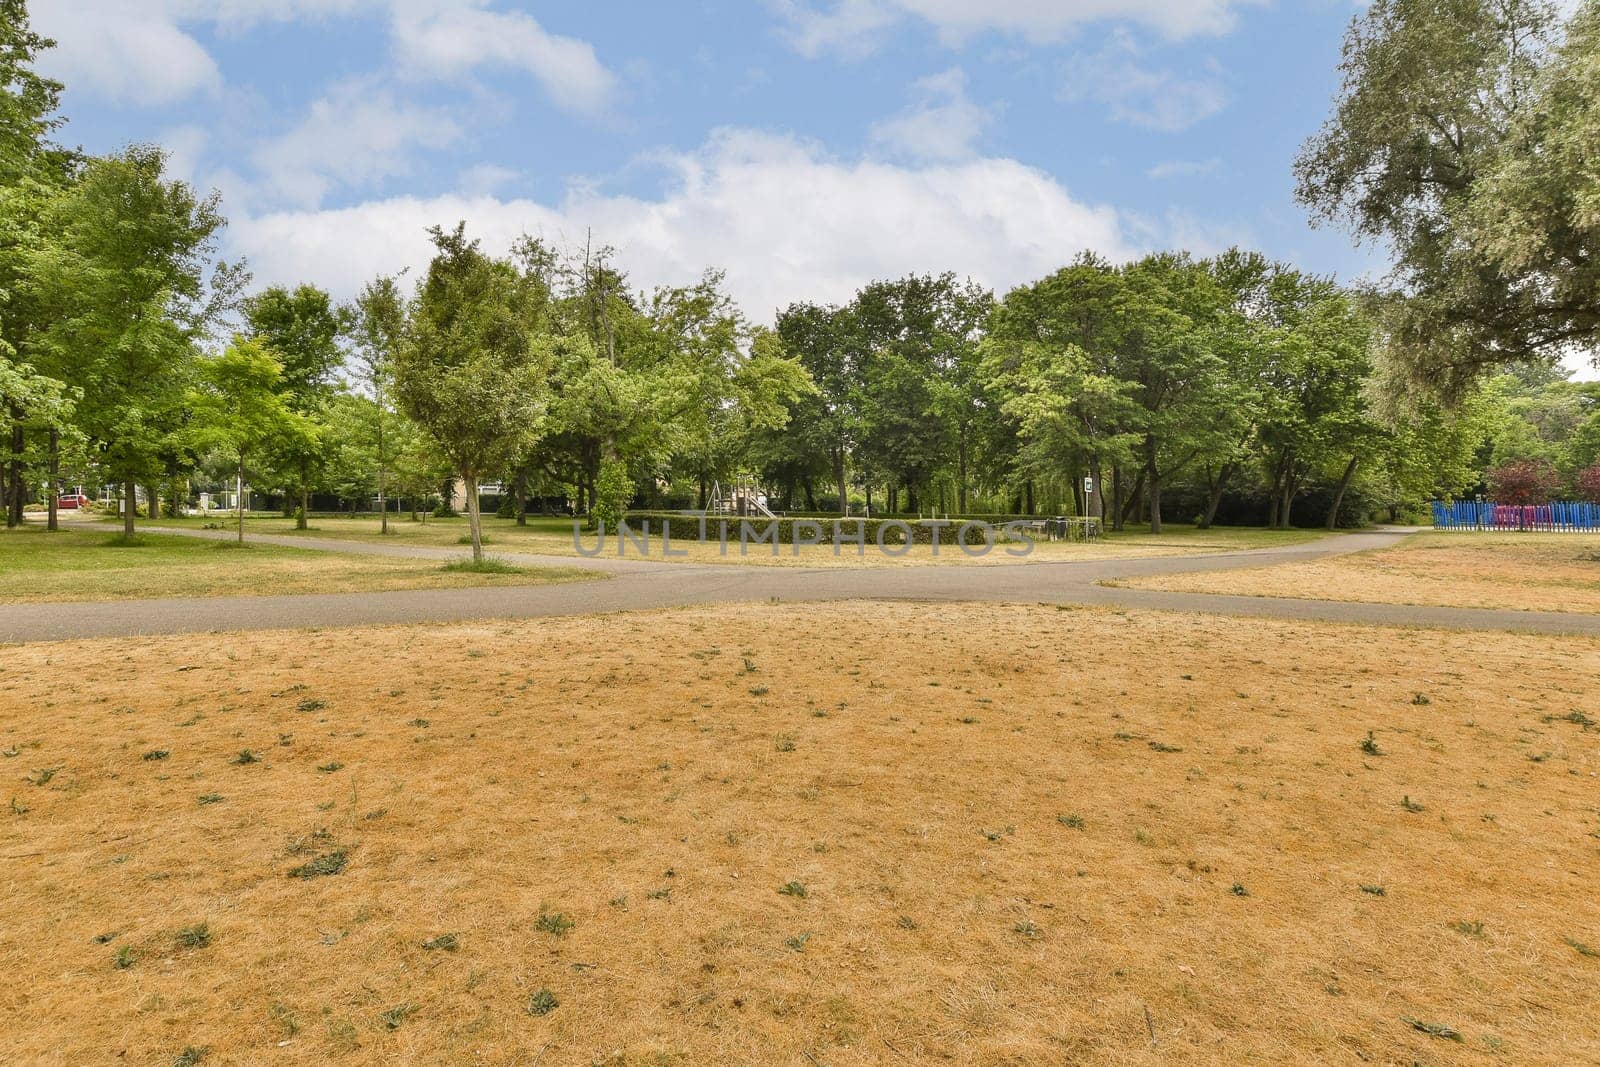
803	146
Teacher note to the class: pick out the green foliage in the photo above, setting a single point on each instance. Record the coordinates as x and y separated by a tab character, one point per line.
1459	139
468	369
611	492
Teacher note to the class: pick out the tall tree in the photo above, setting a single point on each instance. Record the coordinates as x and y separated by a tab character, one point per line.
378	327
301	327
1459	139
468	370
125	293
239	408
32	170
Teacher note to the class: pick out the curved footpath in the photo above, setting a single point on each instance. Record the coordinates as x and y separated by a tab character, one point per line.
637	584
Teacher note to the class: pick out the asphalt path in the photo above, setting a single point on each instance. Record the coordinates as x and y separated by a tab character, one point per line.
634	584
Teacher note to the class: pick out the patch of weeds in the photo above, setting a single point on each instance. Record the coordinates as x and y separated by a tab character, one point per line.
749	665
156	754
421	724
1579	947
659	894
329	768
396	1015
1449	1033
487	565
18	808
798	942
1467	929
1375	890
1071	822
124	958
543	1003
758	690
967	720
906	922
783	743
1238	890
375	814
793	889
324	866
245	757
1410	805
196	936
43	775
620	903
444	942
1421	700
286	1019
1160	747
1026	928
311	704
191	1056
105	938
554	923
1370	745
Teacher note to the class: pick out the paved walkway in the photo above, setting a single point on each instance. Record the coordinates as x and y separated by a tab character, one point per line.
642	584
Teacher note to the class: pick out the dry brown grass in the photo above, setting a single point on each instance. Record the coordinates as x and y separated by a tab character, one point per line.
1524	571
657	778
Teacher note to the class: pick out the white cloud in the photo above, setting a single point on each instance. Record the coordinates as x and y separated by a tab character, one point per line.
447	38
1156	98
123	50
786	221
852	27
1186	168
943	123
141	51
354	136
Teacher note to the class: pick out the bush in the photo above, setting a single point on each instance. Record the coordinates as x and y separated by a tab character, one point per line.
1524	481
507	509
445	511
1588	484
612	489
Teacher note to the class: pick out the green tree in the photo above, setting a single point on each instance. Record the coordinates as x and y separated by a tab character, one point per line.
468	370
377	329
1461	138
302	328
239	408
124	291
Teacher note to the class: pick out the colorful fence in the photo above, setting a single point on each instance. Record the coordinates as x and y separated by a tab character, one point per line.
1484	515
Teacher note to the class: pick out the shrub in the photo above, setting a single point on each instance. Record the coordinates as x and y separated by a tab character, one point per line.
1523	482
1588	484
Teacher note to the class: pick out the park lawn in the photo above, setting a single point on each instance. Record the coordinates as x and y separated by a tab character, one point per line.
554	537
843	834
92	564
1523	571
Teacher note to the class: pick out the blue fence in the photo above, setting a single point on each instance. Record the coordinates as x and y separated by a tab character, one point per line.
1484	515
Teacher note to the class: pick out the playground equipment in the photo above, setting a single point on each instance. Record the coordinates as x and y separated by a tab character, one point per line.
743	498
1563	517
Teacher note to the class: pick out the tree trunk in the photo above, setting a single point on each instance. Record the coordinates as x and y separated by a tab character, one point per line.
1135	498
839	480
1028	492
811	494
1094	503
52	523
383	502
17	482
869	499
1116	497
961	486
305	496
240	500
469	480
130	497
1214	491
1153	472
1338	495
519	490
152	495
705	492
